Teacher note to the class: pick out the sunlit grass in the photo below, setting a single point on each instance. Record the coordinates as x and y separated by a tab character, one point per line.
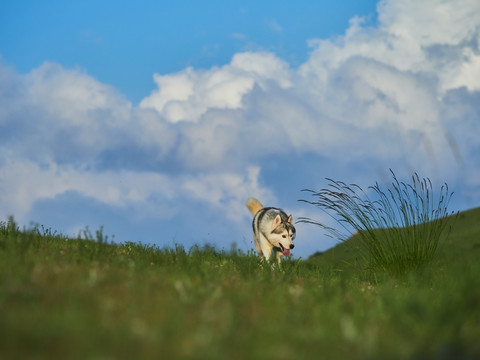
399	228
81	298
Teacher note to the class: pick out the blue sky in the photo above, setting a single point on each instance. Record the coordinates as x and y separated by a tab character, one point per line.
123	44
157	120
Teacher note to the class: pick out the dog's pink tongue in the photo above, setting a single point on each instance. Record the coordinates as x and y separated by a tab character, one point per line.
286	252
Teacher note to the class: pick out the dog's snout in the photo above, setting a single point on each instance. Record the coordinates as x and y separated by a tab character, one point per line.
292	246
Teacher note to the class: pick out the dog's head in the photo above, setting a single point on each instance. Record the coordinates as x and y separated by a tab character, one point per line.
283	233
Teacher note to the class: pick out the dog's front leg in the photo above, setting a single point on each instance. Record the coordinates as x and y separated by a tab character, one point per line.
279	257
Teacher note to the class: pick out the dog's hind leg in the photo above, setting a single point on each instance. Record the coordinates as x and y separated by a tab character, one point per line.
257	246
265	247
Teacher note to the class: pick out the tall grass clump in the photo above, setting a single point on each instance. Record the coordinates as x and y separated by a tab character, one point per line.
399	228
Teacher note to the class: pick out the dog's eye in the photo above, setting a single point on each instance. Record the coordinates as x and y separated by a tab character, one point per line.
284	236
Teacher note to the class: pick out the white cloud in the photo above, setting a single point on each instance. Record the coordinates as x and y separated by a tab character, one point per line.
23	182
433	36
73	98
189	94
227	191
468	72
432	22
63	115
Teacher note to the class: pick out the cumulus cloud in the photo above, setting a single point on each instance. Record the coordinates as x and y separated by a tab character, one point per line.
63	115
401	94
436	37
386	83
189	94
151	194
73	98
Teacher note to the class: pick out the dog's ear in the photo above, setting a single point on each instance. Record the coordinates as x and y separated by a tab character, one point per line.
276	221
290	219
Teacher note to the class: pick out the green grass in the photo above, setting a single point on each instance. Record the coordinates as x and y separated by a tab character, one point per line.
88	299
399	228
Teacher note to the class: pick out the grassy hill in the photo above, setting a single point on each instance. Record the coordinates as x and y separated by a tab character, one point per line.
88	299
462	243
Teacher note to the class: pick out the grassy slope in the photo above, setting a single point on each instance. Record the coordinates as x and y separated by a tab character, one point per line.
463	242
64	298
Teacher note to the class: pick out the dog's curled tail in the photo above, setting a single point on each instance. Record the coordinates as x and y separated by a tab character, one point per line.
254	206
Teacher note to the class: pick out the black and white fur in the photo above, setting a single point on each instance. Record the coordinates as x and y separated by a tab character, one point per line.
273	230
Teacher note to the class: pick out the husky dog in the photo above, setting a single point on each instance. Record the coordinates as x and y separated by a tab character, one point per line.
273	230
